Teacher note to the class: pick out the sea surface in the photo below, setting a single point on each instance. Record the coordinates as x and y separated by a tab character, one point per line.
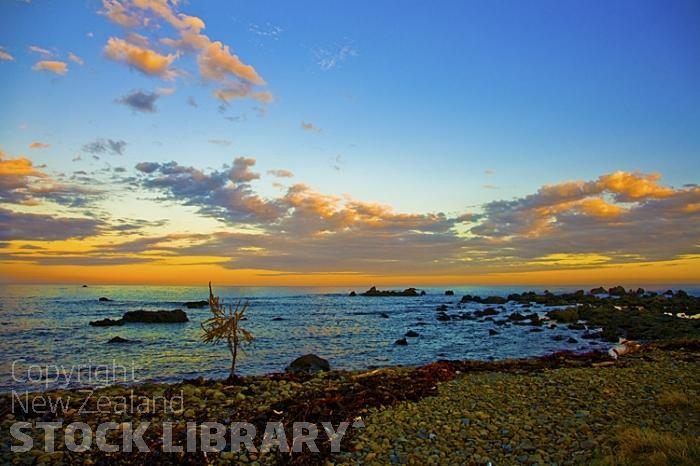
46	342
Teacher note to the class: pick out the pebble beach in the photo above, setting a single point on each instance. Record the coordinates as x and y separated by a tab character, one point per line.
566	409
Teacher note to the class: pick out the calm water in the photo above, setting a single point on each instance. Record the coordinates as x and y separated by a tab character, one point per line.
44	326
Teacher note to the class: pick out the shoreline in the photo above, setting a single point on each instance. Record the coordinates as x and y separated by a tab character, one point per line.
375	397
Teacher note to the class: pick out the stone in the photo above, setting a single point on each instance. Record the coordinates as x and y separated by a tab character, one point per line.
104	300
407	292
401	342
196	304
119	339
106	323
449	293
411	333
352	293
492	332
383	315
156	317
277	319
308	363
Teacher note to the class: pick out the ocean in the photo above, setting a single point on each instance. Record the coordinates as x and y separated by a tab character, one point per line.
44	331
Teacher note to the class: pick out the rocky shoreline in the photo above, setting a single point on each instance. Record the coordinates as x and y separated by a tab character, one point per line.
565	409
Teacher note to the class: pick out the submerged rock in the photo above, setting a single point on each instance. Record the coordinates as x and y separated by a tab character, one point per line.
401	342
107	323
411	333
104	300
119	339
407	292
146	317
156	317
196	304
308	363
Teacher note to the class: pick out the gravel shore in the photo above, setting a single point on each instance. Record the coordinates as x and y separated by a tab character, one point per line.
564	409
563	416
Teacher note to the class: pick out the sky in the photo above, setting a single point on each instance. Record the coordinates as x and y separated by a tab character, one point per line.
363	143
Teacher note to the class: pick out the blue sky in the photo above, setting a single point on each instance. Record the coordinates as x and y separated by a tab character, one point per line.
423	108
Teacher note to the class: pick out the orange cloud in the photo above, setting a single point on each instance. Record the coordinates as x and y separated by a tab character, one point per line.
53	66
215	60
5	55
39	145
119	14
145	60
633	186
599	208
21	166
75	59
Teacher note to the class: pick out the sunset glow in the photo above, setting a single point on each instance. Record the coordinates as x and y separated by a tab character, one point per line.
167	142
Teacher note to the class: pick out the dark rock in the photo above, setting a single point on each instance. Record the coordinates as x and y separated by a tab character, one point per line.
449	293
588	335
104	300
443	317
565	316
489	311
536	329
401	342
308	363
107	323
119	339
617	291
411	333
572	340
384	315
492	332
441	308
156	317
668	293
84	286
407	292
352	293
277	319
558	337
516	317
640	291
599	290
422	293
495	300
196	304
576	327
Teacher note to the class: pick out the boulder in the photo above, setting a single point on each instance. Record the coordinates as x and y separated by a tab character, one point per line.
449	293
156	317
119	339
196	304
352	293
401	342
411	333
308	363
492	332
104	300
147	317
617	291
383	315
407	292
277	319
599	290
106	323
